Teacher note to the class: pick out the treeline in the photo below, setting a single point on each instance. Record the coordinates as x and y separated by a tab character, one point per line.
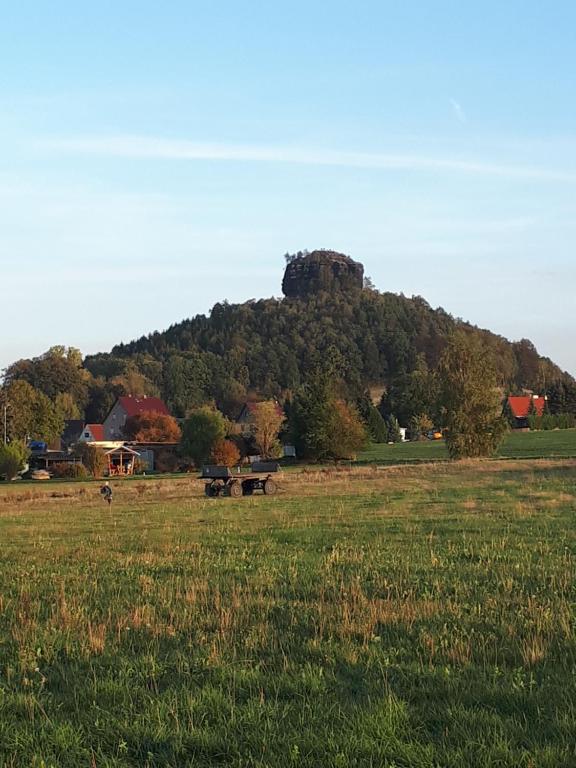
267	348
260	350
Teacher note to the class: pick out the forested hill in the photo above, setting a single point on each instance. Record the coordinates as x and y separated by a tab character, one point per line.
265	348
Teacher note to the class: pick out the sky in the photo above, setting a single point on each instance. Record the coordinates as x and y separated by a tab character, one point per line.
156	158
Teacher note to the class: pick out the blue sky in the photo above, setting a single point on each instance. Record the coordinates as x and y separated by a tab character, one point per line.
158	157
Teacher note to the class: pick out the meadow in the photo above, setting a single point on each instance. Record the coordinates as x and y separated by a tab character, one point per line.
560	443
417	616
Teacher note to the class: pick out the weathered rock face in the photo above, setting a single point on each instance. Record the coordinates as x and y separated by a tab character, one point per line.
322	271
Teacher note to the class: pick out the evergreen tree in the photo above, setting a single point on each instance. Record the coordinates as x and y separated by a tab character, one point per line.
323	426
394	434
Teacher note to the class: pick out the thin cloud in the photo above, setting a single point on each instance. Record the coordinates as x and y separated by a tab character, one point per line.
167	149
458	111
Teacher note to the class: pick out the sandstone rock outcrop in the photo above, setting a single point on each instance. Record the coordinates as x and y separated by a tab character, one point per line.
322	271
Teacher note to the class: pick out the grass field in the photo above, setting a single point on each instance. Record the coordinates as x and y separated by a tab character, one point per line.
410	616
519	445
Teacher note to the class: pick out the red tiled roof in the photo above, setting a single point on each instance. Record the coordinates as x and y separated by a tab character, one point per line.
520	405
136	405
97	431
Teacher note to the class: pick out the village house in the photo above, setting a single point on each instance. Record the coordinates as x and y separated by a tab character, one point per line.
522	406
92	433
245	421
128	406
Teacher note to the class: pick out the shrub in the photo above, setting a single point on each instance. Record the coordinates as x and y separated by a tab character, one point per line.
550	421
13	457
66	469
166	461
94	459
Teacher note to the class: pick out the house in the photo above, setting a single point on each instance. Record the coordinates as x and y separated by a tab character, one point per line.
522	406
92	433
244	422
128	406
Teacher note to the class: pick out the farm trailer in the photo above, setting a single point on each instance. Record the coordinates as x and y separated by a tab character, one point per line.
221	481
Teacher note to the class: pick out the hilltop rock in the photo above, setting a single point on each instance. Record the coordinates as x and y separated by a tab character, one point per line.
322	271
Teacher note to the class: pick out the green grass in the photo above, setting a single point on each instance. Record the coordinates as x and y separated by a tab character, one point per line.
552	444
518	445
415	617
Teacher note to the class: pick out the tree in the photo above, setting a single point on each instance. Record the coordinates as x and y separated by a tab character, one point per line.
13	459
135	383
349	434
311	418
185	381
469	398
200	432
266	420
94	459
225	453
372	418
57	371
411	394
67	406
394	434
419	426
152	427
324	426
30	414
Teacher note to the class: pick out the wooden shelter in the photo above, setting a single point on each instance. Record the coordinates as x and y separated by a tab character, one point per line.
121	460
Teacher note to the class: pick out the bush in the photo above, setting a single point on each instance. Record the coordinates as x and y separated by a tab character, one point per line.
550	421
13	457
166	461
66	469
94	459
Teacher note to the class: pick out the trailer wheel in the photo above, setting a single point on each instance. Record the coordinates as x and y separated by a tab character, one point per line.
269	487
235	489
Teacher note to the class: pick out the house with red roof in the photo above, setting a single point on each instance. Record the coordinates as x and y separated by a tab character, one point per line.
522	406
92	433
128	406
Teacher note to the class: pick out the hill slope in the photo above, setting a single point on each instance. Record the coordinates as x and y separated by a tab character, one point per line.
267	346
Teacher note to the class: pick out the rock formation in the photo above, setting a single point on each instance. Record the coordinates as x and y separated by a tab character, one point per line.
322	271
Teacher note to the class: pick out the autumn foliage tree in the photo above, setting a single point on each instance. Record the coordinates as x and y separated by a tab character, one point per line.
152	427
225	453
266	420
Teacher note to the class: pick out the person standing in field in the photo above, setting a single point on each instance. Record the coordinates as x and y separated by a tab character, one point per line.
106	493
